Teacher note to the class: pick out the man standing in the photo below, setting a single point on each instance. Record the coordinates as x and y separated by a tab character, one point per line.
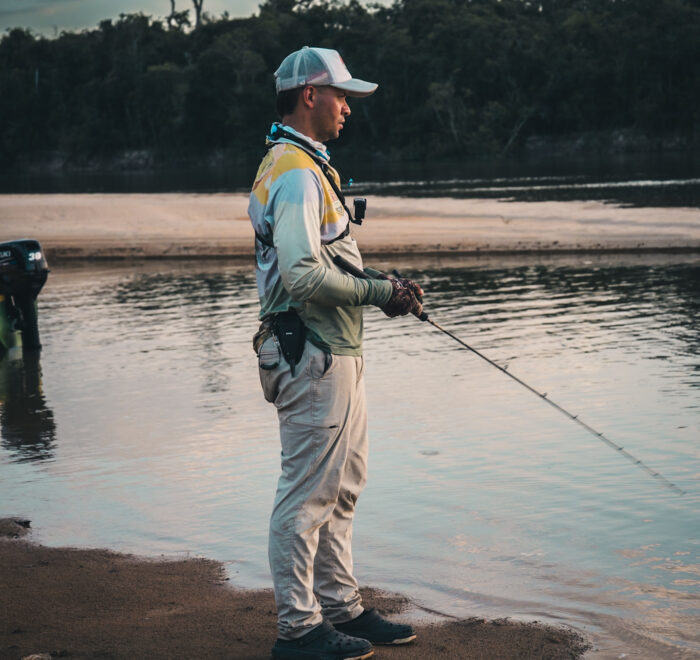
311	367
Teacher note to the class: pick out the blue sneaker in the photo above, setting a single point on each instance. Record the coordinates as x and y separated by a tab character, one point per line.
322	643
376	629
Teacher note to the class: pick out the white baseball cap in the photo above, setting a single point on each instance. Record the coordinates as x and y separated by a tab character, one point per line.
319	66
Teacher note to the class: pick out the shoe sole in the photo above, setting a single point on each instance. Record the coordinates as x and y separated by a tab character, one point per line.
303	655
396	642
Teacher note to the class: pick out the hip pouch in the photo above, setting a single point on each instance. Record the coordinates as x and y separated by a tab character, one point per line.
291	335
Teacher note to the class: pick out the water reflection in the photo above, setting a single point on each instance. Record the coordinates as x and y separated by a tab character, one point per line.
641	299
27	426
204	306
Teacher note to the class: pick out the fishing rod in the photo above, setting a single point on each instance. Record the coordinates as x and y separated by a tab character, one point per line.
423	316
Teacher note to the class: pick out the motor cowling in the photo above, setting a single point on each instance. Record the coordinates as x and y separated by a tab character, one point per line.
23	273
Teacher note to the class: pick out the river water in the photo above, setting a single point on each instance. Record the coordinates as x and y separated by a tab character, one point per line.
142	428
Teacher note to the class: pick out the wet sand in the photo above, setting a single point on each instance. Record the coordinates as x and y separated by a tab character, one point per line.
67	602
217	225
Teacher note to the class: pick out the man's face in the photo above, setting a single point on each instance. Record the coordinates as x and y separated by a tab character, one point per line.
330	108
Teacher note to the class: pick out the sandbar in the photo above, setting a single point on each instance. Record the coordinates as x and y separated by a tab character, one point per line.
164	225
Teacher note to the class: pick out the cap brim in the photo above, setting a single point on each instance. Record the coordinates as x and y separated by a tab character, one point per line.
357	88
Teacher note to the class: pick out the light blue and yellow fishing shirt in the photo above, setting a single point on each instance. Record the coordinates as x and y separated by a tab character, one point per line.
300	225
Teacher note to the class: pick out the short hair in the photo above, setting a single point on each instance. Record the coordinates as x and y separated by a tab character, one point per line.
287	101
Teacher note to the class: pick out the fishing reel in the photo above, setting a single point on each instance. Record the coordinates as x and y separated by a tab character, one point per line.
23	273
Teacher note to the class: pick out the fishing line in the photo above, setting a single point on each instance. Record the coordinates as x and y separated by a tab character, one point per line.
423	316
575	418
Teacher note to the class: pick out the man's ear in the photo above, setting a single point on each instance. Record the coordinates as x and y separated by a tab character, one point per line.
308	95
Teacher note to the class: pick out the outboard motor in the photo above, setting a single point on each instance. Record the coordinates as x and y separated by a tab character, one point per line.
23	273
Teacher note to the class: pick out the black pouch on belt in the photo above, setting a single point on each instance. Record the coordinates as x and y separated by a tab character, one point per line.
291	335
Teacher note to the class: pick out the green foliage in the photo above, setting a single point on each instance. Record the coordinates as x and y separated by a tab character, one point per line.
456	76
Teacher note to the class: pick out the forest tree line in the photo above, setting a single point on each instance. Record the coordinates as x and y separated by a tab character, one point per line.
458	78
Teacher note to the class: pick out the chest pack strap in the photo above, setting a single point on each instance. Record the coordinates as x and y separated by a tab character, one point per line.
268	242
323	166
278	132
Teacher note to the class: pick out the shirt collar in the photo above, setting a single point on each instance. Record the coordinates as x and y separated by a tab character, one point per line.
315	148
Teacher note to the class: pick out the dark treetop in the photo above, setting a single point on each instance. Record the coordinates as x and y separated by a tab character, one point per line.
457	78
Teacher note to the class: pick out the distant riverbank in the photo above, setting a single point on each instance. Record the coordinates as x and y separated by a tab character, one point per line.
94	226
586	144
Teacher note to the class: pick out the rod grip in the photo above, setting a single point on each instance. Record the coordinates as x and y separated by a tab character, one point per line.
357	272
350	268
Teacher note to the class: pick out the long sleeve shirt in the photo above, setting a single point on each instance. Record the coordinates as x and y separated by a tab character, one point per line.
300	225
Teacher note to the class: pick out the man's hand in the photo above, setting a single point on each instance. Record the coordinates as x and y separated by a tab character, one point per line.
410	284
403	298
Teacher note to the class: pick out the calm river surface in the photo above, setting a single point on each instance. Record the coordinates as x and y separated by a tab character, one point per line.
143	429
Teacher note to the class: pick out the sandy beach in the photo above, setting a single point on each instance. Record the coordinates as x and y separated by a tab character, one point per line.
217	225
67	602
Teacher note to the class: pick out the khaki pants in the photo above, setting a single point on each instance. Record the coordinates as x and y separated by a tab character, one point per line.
323	430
